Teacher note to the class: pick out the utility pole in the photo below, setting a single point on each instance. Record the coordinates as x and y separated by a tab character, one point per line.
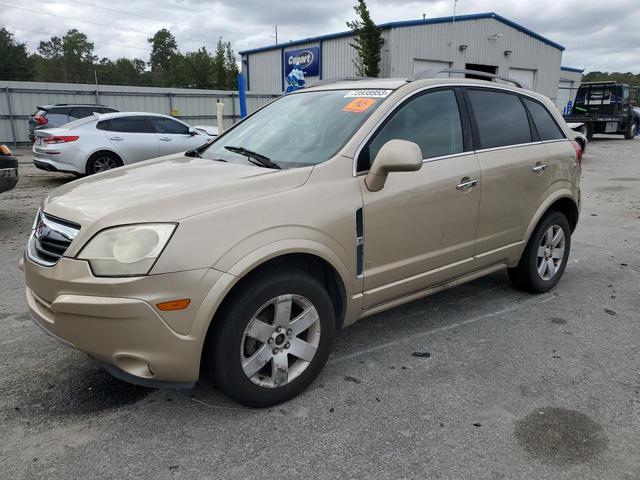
276	27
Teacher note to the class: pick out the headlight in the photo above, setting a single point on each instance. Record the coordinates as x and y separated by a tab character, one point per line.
126	251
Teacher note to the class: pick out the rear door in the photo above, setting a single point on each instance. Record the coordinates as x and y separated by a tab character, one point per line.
560	153
514	170
174	136
131	137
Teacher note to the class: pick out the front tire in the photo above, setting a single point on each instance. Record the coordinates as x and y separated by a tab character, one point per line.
272	337
545	257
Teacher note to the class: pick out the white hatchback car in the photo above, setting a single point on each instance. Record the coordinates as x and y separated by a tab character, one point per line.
102	142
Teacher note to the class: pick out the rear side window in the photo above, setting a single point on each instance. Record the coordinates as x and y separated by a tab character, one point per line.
60	111
168	126
127	125
547	127
432	120
500	117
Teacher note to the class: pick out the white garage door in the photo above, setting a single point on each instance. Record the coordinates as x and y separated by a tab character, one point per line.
525	76
420	65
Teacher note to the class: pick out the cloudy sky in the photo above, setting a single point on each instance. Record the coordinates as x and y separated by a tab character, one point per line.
598	34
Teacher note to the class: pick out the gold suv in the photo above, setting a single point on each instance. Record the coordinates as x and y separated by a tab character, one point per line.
330	204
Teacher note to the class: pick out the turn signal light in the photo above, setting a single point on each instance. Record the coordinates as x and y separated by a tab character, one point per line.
60	138
174	305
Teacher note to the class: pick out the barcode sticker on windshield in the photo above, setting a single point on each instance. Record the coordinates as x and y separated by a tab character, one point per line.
368	93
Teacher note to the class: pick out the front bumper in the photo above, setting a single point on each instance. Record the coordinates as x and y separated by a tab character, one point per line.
115	319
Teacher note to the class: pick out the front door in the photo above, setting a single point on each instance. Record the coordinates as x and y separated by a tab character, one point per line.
419	230
174	136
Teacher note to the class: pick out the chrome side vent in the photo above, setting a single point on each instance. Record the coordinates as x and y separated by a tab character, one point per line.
359	242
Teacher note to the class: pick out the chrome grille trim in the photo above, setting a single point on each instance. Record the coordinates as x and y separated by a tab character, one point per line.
50	239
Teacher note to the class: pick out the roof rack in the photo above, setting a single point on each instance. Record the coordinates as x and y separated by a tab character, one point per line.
328	81
431	73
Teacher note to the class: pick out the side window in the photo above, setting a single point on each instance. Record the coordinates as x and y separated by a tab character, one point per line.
166	125
432	120
104	125
547	127
129	125
500	117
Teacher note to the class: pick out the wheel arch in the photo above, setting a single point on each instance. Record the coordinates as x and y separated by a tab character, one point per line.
99	151
562	201
307	261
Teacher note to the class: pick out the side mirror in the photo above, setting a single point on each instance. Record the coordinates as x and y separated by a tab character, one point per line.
394	156
192	131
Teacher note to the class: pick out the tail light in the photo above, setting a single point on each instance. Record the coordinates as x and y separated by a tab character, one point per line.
41	120
578	149
60	139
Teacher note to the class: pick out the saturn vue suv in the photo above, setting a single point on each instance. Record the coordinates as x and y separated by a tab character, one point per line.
243	258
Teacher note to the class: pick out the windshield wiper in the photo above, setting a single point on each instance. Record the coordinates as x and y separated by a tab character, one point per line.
254	157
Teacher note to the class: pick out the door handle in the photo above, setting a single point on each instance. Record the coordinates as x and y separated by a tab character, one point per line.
164	139
116	139
539	168
466	183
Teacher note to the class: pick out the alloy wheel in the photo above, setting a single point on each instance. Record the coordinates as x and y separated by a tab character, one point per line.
551	252
102	164
280	341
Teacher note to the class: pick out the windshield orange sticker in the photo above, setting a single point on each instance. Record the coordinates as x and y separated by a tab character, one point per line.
359	105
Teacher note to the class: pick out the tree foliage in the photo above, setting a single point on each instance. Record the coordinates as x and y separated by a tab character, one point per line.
627	77
71	58
15	63
368	42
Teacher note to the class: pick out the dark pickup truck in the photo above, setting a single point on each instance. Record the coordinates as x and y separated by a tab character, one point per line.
8	169
606	107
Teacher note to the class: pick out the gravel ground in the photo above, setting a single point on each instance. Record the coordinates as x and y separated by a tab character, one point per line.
481	381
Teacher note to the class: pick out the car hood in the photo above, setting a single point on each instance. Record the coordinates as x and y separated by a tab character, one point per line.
165	190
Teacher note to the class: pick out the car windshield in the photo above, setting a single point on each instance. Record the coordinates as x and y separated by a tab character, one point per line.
299	129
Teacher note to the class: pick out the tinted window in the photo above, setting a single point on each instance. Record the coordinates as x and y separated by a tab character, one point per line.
104	110
128	125
547	128
60	110
81	112
431	120
166	125
500	117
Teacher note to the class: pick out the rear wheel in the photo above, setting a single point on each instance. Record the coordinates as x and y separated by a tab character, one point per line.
272	338
103	161
545	256
632	131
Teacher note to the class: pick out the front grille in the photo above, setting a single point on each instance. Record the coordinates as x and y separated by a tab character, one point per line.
50	239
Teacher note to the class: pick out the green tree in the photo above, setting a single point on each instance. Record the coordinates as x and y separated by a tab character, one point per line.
49	63
78	57
368	42
199	68
231	68
123	71
163	48
219	65
16	63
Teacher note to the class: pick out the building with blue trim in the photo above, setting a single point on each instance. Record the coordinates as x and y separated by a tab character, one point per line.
484	41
